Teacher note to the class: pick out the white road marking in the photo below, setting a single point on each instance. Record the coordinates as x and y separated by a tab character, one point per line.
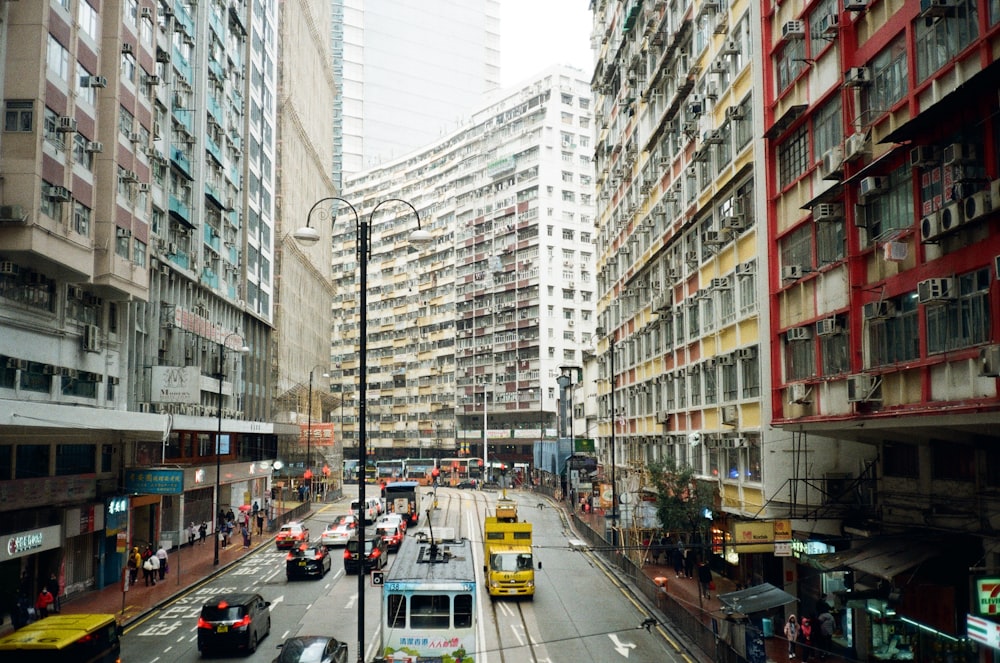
276	602
621	647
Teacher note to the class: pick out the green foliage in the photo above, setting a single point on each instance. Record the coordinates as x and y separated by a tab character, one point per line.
681	499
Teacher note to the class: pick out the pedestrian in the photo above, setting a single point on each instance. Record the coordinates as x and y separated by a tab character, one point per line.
256	508
688	563
192	533
202	532
791	634
705	579
45	599
245	531
161	555
823	632
230	516
260	523
678	559
53	587
805	638
134	563
154	568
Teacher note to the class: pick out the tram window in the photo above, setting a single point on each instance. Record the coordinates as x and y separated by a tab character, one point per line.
397	611
463	611
430	611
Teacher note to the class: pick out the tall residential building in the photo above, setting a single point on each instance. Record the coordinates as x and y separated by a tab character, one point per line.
883	197
136	244
303	163
410	73
465	338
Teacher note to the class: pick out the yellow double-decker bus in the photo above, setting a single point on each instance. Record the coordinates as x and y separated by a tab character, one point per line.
65	639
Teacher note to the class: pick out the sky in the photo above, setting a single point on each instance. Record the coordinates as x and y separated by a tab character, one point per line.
537	33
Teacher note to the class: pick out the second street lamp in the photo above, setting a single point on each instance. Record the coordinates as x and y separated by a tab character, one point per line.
218	438
308	474
309	235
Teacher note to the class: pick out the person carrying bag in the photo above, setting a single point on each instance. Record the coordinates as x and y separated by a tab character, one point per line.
791	634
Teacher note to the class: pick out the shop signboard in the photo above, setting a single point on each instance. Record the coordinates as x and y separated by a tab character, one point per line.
988	596
154	482
983	631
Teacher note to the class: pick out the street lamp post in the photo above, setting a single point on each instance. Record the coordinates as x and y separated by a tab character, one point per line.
307	474
614	487
218	438
309	235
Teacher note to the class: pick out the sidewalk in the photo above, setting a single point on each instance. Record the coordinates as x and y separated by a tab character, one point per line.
188	566
684	593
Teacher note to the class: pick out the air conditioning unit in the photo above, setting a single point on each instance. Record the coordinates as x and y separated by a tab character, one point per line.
744	354
152	80
58	194
691	257
146	12
862	388
66	124
930	227
89	340
833	164
128	49
923	156
144	408
94	81
878	310
734	222
713	137
94	147
798	334
827	327
872	186
123	233
128	176
936	8
798	393
957	154
726	360
791	272
734	113
719	67
663	417
828	212
793	30
855	5
12	213
978	205
730	415
854	146
696	104
937	290
731	47
719	283
951	216
143	187
857	77
8	268
712	237
989	361
829	25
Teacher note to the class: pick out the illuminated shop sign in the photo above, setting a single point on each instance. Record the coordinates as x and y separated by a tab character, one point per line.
31	542
155	482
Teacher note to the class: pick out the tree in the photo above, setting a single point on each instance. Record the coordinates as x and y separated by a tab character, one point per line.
681	500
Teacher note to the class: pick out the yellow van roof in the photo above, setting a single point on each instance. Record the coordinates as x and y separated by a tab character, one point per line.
54	632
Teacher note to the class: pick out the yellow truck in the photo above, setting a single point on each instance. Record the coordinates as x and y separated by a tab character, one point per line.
508	561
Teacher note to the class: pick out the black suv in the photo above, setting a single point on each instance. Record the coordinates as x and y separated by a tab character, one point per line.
376	553
232	621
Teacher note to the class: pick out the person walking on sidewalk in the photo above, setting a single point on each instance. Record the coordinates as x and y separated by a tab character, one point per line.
161	555
53	587
678	558
705	579
805	637
192	533
260	523
791	634
134	562
823	633
45	599
202	532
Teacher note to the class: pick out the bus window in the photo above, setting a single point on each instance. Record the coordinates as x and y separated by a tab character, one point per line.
429	611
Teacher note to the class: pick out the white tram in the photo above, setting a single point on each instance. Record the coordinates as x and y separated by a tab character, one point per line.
429	601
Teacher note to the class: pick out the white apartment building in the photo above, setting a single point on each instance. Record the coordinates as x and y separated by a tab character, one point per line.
466	337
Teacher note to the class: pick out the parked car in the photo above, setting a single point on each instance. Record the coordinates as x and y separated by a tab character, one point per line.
306	561
392	520
231	621
392	535
376	554
339	531
291	535
312	649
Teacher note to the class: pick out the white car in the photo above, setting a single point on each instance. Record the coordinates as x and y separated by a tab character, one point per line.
372	509
390	520
339	531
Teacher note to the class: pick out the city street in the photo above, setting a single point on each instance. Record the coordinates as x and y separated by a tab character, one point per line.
579	612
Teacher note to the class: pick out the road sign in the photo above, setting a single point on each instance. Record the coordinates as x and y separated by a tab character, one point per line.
378	578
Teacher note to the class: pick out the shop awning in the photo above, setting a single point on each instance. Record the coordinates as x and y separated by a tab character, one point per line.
885	559
756	599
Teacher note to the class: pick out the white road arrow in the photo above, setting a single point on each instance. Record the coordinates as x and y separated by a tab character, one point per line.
276	602
621	647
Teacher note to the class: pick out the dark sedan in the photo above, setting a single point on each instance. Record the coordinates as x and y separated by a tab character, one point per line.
306	561
312	649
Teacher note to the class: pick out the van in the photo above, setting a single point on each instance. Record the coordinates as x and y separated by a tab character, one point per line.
373	508
81	638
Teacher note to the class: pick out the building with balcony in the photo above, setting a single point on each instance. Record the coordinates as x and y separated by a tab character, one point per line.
459	344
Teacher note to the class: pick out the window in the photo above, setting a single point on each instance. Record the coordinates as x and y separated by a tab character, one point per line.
900	460
889	83
32	461
750	369
800	360
57	60
964	321
896	338
831	244
834	351
893	209
796	247
793	157
81	218
19	116
791	63
430	611
828	130
952	462
75	459
937	42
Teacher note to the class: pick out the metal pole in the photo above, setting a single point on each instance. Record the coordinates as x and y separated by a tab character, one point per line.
614	488
218	457
307	475
362	228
